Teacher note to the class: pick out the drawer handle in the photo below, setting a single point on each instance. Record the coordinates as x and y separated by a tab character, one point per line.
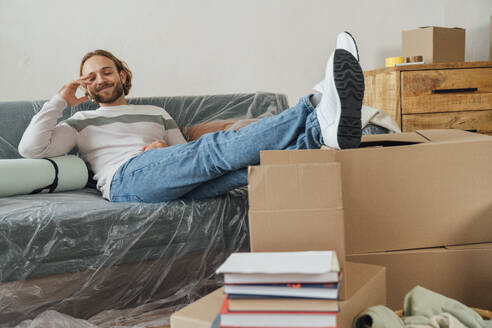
455	90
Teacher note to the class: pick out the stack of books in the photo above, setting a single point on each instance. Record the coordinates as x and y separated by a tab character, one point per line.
281	289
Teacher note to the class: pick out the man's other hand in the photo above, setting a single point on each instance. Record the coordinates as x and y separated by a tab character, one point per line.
154	145
68	91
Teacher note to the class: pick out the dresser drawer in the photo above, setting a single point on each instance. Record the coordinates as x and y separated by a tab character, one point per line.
480	121
418	90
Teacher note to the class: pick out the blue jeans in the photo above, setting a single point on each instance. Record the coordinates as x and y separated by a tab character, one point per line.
215	163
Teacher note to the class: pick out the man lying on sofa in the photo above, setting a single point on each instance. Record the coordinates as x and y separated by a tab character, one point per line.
138	153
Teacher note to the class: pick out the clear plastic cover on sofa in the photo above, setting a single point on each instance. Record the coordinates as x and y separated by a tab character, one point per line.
75	258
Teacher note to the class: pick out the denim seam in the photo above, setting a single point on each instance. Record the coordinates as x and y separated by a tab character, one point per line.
126	196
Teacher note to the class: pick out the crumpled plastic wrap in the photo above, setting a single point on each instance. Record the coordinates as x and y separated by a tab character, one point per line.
75	259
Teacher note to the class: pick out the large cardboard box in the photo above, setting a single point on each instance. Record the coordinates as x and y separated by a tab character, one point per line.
463	273
429	188
435	44
368	288
490	35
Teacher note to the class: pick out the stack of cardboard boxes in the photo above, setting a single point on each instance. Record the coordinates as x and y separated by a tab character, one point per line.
419	204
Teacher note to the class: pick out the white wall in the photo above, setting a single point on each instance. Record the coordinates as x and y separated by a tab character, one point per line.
184	47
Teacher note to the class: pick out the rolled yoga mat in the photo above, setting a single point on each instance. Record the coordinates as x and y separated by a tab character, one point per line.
25	176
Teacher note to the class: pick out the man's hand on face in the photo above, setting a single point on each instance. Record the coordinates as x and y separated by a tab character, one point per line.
154	145
68	91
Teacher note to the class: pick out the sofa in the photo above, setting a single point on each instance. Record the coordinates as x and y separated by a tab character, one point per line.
76	253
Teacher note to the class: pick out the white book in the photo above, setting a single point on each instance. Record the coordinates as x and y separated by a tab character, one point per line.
281	267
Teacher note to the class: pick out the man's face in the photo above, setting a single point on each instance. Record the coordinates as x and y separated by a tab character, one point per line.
106	85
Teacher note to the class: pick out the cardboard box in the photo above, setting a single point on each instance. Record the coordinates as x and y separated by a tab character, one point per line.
282	194
490	35
463	273
368	288
435	44
432	190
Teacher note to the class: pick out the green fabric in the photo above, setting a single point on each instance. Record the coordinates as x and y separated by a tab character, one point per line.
422	308
423	302
443	320
22	176
379	317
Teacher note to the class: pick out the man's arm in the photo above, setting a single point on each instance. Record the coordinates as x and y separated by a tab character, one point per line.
172	135
43	137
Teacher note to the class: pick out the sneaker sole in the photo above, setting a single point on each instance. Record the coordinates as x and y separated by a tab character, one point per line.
349	81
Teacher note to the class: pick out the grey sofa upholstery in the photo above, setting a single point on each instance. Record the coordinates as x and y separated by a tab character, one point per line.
76	253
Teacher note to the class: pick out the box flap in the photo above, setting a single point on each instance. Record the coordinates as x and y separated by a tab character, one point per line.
454	28
438	135
405	136
366	287
360	274
392	139
470	246
200	313
422	137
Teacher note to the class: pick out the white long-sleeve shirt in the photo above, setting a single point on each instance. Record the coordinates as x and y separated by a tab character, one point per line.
106	138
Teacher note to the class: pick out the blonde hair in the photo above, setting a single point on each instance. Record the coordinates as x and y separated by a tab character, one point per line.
120	66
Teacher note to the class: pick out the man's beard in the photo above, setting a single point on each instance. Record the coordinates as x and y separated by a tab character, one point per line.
117	92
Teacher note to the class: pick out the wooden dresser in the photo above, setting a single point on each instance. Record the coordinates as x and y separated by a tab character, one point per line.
434	96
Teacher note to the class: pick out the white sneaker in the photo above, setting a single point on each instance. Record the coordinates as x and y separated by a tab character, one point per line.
339	110
346	41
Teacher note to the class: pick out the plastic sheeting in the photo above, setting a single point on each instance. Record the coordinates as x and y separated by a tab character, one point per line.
72	259
70	256
79	254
